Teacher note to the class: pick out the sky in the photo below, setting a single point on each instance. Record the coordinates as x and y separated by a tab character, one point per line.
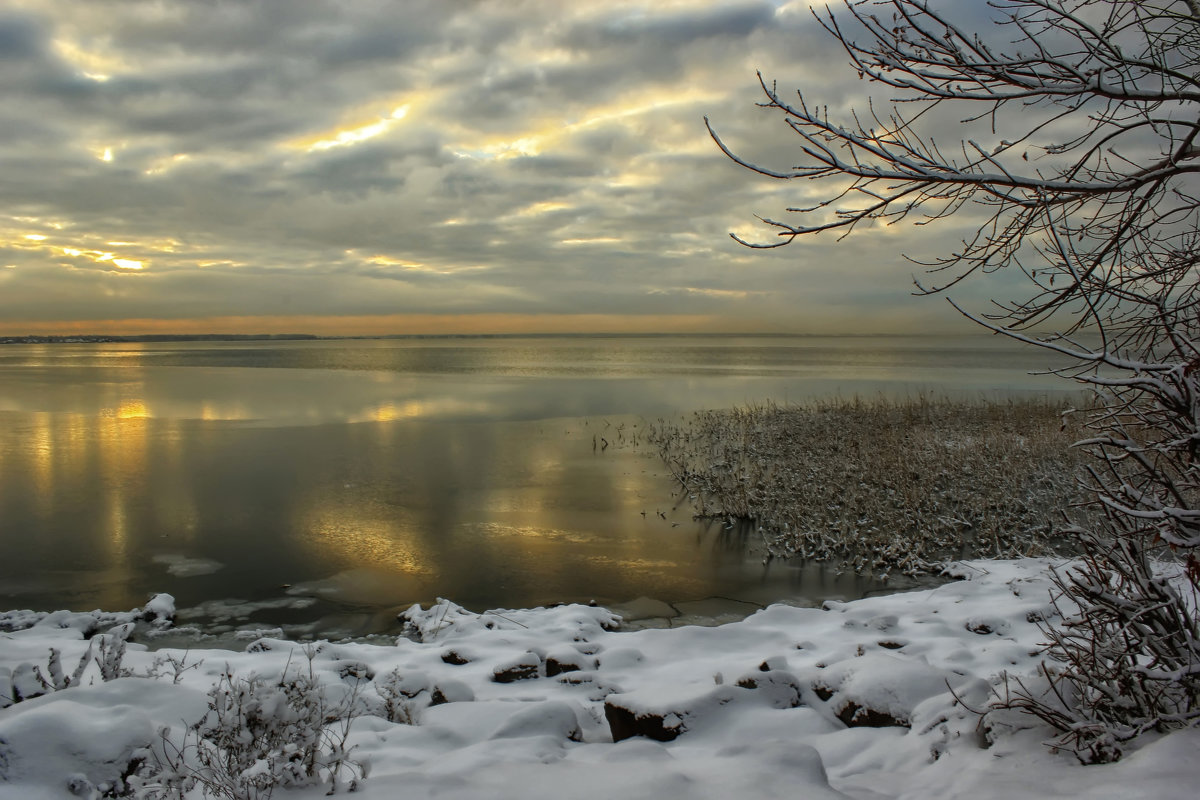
400	166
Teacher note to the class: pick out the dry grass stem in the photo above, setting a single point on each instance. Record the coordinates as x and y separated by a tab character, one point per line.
883	486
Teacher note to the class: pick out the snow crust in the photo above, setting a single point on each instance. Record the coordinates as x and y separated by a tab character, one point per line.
511	703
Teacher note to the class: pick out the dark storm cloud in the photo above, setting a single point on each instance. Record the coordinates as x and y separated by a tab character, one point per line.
675	28
21	38
340	157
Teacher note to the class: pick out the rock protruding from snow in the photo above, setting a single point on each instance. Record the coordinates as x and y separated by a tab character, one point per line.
780	688
568	659
877	690
447	690
160	610
663	713
455	658
522	668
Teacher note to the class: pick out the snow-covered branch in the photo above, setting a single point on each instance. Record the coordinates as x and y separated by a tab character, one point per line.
1082	147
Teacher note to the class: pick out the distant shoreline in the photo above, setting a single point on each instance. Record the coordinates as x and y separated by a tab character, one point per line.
91	338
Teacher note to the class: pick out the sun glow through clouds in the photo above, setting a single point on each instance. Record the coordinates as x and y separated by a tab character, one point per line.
166	164
538	142
90	64
591	240
361	133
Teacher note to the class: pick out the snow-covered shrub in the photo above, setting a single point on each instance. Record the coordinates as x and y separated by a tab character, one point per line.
106	651
399	697
53	680
171	664
261	733
1125	657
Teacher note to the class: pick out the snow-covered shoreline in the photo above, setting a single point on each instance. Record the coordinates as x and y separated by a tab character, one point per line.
868	699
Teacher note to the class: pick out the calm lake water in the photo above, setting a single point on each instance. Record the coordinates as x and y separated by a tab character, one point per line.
330	483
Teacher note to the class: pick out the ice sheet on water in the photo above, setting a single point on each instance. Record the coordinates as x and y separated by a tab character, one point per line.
230	608
182	566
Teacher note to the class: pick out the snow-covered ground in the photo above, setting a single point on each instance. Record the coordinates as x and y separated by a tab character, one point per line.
874	698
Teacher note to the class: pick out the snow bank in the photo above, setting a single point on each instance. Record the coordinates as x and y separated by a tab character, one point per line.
867	699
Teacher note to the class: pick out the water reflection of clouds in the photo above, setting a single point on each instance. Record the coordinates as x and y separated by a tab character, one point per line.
61	450
266	397
387	381
472	486
132	409
425	408
350	537
42	459
500	530
635	564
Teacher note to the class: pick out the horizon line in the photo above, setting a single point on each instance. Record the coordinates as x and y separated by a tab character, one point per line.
299	336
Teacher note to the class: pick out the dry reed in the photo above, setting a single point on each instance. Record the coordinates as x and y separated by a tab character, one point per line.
883	486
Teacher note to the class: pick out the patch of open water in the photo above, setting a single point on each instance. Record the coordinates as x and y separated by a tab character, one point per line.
322	486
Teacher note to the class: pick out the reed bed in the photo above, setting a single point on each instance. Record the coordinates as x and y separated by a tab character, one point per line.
883	486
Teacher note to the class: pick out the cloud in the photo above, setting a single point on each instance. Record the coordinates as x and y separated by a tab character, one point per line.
331	158
21	39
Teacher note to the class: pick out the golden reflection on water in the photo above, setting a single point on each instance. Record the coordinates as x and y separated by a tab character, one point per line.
176	500
528	507
224	412
532	535
430	407
360	540
61	453
42	455
133	409
390	412
645	566
118	533
123	445
64	447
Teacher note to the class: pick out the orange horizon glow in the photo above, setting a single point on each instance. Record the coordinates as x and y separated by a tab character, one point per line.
393	324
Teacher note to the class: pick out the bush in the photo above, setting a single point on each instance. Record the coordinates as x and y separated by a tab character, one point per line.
260	734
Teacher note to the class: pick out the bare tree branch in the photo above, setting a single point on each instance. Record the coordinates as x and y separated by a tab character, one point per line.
1090	190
